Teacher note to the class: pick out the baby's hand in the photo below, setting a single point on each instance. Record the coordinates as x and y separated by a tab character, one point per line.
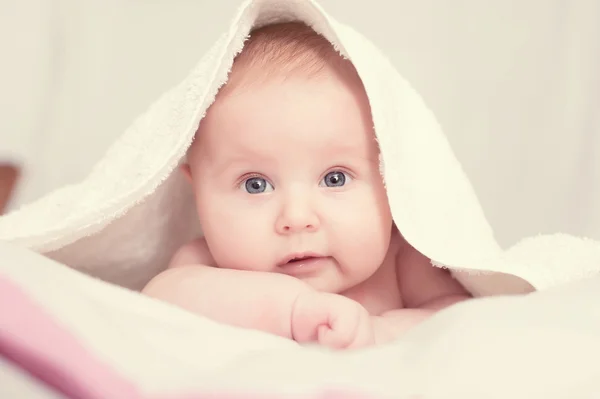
331	320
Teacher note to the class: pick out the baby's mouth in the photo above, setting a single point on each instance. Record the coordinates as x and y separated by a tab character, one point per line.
302	263
300	259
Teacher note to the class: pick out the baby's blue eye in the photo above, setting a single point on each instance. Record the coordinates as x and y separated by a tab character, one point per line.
257	185
334	179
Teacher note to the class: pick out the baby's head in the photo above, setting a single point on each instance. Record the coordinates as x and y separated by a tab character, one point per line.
285	164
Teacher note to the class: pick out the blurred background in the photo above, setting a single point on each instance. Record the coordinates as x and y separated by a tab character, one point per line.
514	83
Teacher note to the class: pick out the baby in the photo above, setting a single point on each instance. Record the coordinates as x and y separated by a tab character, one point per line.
298	237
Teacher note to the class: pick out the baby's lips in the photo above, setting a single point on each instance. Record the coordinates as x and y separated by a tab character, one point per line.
295	256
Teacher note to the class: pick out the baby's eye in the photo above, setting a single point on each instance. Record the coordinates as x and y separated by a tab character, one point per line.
334	179
257	185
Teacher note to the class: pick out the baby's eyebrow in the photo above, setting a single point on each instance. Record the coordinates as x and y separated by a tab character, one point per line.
237	161
352	151
223	166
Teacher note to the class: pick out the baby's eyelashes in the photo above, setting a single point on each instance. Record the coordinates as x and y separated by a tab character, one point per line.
336	178
259	185
256	185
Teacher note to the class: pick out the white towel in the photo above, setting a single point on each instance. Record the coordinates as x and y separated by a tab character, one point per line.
495	347
125	220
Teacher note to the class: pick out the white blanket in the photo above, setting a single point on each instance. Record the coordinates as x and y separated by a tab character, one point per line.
539	346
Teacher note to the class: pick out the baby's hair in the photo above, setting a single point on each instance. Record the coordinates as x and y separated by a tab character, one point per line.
288	47
284	49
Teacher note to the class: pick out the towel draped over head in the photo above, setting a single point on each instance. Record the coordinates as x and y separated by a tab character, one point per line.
125	220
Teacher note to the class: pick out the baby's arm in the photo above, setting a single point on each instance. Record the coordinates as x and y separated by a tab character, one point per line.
424	286
256	300
425	289
270	302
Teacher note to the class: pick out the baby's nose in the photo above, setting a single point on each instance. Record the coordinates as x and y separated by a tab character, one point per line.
297	217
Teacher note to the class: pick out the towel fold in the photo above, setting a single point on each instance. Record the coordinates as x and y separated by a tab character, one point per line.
126	219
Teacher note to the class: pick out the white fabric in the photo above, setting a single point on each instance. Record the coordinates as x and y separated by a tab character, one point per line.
515	84
516	99
539	346
123	222
82	70
17	383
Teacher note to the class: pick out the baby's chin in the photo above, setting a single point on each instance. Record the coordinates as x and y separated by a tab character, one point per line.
329	285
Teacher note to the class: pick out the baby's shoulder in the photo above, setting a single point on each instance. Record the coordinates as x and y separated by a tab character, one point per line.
405	255
193	253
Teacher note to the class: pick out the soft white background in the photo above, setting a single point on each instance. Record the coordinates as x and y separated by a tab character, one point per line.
515	84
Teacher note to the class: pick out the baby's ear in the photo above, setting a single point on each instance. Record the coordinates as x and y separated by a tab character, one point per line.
187	172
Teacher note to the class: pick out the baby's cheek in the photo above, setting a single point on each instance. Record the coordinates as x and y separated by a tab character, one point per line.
240	242
361	232
361	214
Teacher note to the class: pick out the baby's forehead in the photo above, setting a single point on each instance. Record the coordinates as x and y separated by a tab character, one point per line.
324	111
340	141
275	147
225	156
273	55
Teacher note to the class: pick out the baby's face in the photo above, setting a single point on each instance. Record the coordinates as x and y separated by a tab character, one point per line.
290	169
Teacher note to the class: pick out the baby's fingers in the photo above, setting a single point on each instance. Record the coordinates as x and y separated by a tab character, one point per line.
347	328
334	338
